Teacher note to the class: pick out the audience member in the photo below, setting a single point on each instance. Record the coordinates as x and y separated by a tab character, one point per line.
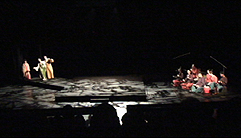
69	123
104	121
134	125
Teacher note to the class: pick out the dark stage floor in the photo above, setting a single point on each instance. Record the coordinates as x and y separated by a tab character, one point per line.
46	99
79	92
39	94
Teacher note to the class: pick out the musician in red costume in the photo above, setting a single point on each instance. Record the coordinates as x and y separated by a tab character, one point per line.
220	85
188	81
195	72
210	77
211	80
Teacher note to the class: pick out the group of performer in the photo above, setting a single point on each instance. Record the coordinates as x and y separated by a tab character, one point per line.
199	82
44	67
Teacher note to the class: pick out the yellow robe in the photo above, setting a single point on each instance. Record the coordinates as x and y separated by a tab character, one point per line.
50	71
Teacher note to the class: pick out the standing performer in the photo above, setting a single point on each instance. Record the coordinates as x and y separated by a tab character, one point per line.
42	69
26	70
50	71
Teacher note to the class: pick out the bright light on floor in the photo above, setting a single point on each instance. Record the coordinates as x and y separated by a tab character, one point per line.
120	112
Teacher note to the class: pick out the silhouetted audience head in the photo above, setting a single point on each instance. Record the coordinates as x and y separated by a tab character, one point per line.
105	114
69	122
133	119
104	121
134	124
68	111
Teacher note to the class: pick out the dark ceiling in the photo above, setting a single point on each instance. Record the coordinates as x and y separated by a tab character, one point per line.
112	36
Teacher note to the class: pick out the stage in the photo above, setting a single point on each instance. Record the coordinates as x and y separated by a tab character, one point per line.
159	102
84	92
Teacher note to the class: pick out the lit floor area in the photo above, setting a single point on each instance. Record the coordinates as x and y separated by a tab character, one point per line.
81	92
37	104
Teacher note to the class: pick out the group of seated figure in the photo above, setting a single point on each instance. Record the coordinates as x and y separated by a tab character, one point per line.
200	82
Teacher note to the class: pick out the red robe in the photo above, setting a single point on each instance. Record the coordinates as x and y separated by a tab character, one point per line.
26	71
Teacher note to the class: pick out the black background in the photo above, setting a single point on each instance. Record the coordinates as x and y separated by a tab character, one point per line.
119	37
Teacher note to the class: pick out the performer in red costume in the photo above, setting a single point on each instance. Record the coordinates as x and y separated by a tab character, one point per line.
26	70
195	72
210	77
188	81
216	85
211	80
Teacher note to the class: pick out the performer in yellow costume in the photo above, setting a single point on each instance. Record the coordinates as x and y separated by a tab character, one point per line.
50	71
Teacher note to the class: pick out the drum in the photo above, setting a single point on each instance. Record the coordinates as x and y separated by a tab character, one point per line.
207	89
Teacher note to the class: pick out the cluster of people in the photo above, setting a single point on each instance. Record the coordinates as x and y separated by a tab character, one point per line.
44	67
199	82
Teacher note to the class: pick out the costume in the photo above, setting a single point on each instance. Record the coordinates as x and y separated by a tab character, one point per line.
199	86
179	78
26	70
42	68
50	71
194	71
208	78
220	85
188	82
213	80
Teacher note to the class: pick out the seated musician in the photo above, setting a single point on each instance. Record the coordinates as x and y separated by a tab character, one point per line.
211	80
198	87
221	84
179	78
195	72
188	81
